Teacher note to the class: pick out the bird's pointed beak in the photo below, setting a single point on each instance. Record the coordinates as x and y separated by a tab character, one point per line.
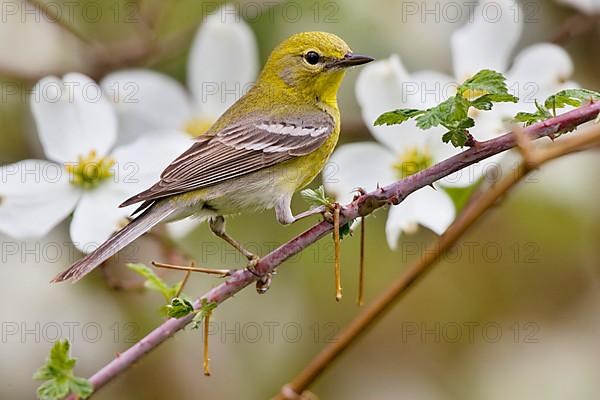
351	60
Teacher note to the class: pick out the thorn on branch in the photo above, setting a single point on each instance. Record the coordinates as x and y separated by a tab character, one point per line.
471	141
361	192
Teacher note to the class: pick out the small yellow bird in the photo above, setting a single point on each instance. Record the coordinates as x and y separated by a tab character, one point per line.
268	145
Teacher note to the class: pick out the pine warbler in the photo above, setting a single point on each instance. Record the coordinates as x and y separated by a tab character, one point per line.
268	145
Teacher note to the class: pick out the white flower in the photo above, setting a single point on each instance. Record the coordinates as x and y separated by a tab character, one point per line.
385	85
223	63
400	151
536	72
77	127
31	44
591	7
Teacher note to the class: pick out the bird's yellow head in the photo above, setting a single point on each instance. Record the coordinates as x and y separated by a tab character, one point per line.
310	65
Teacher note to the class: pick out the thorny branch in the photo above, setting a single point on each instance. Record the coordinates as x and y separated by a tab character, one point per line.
470	215
361	206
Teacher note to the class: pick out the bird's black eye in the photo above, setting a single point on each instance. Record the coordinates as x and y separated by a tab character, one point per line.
312	57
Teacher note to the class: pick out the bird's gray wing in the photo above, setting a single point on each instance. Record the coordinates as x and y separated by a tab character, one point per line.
239	149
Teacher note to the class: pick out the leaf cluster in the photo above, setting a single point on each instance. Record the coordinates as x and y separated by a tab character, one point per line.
57	374
480	92
567	97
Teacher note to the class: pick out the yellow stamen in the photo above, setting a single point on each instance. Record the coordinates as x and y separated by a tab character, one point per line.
413	161
90	170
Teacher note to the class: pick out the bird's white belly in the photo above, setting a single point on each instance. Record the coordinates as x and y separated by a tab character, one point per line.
257	191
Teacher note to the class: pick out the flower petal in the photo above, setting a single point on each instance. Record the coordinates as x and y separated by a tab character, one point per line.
97	216
35	195
146	101
539	71
223	62
429	88
488	39
427	206
385	86
32	45
140	163
73	117
355	165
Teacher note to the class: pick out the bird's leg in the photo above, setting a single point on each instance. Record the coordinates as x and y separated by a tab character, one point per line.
217	226
283	211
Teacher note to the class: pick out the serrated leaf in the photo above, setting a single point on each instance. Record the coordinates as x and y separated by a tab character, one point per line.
430	118
53	390
81	387
571	97
540	114
315	197
397	116
480	91
458	138
528	118
179	307
57	372
154	282
485	81
487	101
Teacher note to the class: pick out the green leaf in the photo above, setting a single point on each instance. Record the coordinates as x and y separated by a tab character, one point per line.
431	117
486	81
540	114
458	138
480	91
205	309
154	282
345	230
458	132
179	307
461	195
487	101
316	197
397	116
81	387
53	389
57	372
570	97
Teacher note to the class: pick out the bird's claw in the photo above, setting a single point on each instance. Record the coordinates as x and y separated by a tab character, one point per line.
263	281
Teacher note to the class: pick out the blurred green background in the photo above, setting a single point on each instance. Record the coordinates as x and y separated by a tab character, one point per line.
510	313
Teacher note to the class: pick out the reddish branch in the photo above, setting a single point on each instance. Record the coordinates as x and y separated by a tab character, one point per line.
363	205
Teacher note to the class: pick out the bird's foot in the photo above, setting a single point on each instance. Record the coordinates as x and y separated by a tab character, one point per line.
263	281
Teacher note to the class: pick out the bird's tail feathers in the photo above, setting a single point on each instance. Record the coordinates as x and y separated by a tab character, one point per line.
141	224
